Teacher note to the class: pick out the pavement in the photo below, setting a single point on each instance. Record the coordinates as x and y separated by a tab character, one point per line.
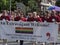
15	43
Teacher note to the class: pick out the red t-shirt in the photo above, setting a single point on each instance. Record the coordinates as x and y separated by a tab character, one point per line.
30	19
38	19
57	18
17	18
5	17
48	19
23	19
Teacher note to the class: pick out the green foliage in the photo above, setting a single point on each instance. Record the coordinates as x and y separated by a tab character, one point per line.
5	4
2	4
25	2
32	4
58	3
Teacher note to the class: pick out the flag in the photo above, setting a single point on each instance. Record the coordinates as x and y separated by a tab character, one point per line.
24	30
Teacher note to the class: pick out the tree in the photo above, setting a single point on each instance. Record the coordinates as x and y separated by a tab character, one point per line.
5	4
32	5
39	4
2	4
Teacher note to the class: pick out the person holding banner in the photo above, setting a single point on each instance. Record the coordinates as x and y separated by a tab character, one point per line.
30	17
37	18
17	18
23	18
4	16
55	16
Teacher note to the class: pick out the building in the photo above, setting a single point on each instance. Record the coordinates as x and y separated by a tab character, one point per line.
46	3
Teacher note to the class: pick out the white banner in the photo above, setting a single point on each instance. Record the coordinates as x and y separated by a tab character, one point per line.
30	31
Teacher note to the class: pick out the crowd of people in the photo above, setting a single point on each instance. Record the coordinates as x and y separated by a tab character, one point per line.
31	16
52	16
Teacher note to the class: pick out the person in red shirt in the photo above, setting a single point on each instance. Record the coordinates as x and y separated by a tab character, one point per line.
33	17
37	17
58	16
51	17
12	16
17	18
5	16
48	17
23	18
30	17
58	13
55	16
42	17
